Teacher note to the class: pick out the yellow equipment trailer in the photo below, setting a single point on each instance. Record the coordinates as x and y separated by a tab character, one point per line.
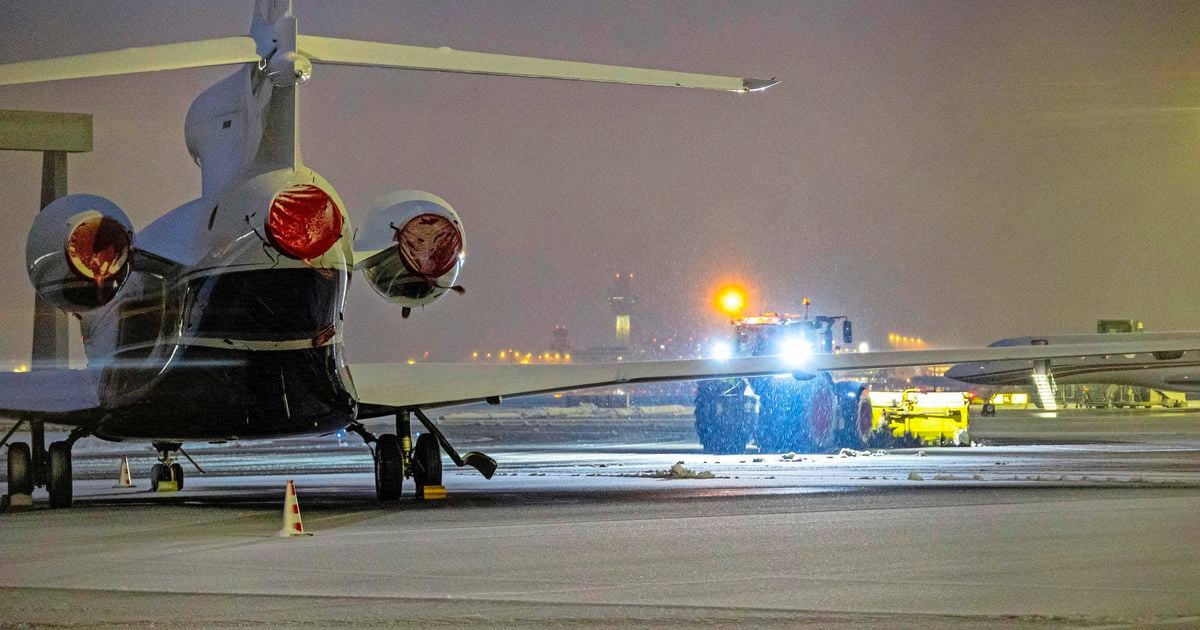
915	418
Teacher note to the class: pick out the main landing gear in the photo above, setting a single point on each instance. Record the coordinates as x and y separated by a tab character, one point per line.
396	458
34	466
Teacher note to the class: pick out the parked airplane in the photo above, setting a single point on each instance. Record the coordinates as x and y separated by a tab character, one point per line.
1164	371
222	319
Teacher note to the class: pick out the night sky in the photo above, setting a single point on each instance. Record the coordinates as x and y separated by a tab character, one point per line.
957	171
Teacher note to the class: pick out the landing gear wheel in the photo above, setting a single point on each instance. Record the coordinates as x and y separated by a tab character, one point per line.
427	462
59	483
156	475
988	410
177	474
389	468
20	469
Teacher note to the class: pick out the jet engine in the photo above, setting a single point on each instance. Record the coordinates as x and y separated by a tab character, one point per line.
410	248
78	252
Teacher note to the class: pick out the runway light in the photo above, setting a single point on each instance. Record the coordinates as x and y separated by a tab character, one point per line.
863	347
721	351
795	351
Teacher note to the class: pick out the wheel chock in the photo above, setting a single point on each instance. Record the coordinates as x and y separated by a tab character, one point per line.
20	500
433	493
168	486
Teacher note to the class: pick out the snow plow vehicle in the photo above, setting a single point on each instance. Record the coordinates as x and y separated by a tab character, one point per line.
782	414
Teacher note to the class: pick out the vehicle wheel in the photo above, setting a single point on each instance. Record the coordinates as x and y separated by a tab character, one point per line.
20	469
855	408
818	415
722	424
427	462
60	475
156	473
177	474
389	468
988	410
775	431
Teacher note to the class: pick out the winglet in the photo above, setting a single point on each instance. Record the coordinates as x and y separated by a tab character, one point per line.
758	85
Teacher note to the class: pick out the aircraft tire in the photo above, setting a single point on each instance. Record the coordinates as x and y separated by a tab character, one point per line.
20	469
988	410
427	462
389	468
177	475
59	484
156	473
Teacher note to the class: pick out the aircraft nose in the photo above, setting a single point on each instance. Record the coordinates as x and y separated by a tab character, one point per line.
961	371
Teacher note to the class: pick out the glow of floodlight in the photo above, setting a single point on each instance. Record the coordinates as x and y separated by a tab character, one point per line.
721	351
795	351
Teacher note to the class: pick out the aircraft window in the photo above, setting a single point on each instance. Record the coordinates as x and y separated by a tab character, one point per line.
263	305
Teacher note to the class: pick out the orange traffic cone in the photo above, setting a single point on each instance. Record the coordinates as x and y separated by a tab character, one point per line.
123	478
292	525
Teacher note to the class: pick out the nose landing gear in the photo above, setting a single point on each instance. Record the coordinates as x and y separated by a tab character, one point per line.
167	475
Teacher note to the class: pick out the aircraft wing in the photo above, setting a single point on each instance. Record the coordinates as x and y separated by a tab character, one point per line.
384	388
61	396
350	52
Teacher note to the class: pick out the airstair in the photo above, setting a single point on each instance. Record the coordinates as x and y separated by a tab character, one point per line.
1045	388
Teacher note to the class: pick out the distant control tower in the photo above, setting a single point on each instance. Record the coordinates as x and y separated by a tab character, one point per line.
561	343
622	300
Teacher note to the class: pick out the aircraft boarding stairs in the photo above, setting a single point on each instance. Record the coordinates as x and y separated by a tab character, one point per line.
1047	394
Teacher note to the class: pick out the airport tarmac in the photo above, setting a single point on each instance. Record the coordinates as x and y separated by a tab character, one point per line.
1085	518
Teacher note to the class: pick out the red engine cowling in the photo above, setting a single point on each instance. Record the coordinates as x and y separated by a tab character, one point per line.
411	247
78	252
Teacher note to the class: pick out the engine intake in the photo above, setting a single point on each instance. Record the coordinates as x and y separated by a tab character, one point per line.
410	248
78	252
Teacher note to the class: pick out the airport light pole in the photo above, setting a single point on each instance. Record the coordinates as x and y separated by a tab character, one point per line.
54	134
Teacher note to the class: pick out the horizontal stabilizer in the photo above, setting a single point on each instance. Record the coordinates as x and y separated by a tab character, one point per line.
330	50
385	387
198	54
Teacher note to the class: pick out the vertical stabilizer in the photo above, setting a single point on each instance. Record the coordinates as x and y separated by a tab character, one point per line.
274	30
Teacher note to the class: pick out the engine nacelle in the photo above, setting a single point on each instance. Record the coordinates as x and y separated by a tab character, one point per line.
410	247
78	252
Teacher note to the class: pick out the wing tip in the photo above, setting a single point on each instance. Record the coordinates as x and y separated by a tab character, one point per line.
758	85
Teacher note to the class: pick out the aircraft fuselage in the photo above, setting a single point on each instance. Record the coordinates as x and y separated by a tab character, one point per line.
231	338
